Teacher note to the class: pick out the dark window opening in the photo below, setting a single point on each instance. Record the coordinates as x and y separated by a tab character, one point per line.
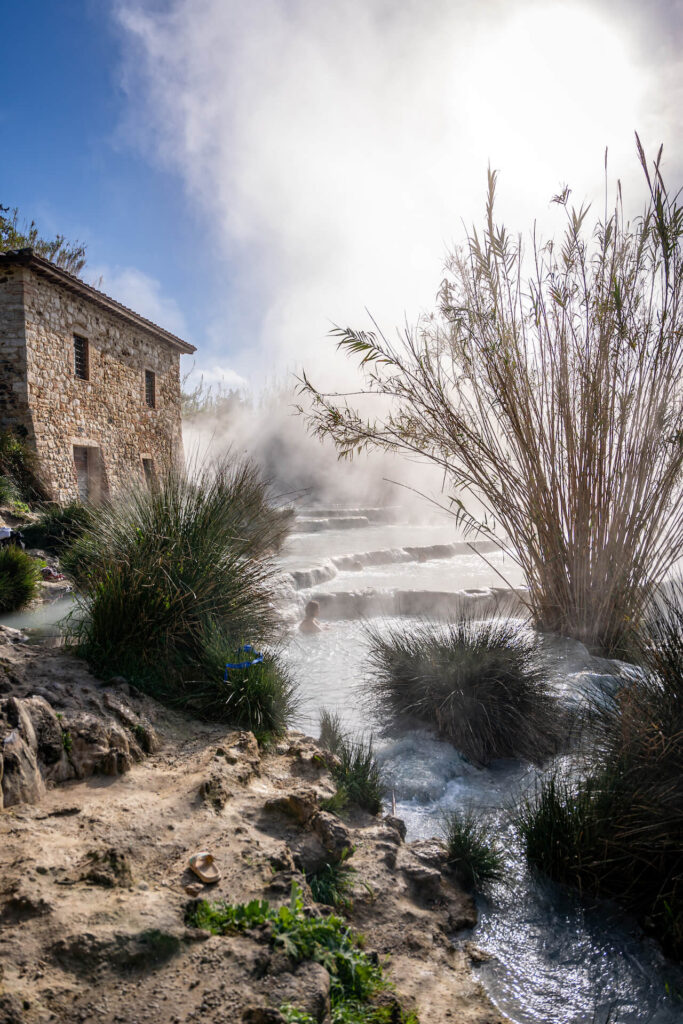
82	463
80	357
148	469
150	389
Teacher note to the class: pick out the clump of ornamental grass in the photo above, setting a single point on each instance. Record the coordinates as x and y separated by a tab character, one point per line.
480	683
356	979
173	580
618	830
57	526
356	772
547	385
19	578
473	854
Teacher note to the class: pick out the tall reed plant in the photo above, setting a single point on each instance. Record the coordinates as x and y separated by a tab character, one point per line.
549	387
174	579
481	684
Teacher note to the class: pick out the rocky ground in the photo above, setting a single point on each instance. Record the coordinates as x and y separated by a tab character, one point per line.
107	795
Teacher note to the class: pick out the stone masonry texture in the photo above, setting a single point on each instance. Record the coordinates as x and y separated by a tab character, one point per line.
55	411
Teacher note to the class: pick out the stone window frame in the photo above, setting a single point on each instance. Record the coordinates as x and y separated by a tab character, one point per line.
80	336
149	476
145	393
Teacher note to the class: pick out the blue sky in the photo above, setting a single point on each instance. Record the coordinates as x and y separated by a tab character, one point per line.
68	164
248	174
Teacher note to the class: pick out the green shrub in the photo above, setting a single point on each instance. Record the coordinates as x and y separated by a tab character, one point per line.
479	683
58	526
171	580
19	578
355	977
472	852
618	831
18	465
8	491
356	772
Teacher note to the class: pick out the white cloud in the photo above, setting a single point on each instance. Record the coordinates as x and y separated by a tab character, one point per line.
336	148
141	293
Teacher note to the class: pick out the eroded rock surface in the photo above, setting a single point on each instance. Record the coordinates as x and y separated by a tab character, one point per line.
58	723
94	887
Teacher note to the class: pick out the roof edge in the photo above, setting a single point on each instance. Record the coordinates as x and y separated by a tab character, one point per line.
29	258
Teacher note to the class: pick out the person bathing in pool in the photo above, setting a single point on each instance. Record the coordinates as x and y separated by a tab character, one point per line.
310	624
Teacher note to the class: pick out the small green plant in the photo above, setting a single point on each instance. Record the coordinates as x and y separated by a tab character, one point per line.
472	852
356	772
355	977
67	742
480	683
333	884
337	802
19	578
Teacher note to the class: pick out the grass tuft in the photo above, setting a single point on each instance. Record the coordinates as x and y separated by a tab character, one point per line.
473	854
58	526
479	683
356	772
19	578
173	580
618	830
332	885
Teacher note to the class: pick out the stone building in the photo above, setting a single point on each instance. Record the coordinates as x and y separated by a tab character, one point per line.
92	386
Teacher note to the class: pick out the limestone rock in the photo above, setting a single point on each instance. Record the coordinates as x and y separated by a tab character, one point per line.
48	731
308	989
22	781
333	834
301	805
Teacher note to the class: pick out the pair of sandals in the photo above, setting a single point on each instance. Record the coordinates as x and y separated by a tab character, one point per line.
203	865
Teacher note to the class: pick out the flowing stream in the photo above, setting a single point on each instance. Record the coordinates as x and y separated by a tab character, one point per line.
553	959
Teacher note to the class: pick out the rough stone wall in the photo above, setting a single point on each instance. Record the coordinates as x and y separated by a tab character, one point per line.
14	411
108	411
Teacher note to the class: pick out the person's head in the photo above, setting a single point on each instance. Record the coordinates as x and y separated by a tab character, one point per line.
312	609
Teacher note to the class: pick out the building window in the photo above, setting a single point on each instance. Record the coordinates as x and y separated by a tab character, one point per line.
81	367
148	470
150	389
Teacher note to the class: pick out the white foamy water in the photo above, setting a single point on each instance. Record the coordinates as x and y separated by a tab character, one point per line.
555	960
